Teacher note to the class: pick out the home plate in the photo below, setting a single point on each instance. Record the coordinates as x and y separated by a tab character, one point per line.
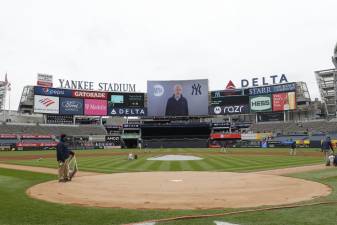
150	223
176	180
223	223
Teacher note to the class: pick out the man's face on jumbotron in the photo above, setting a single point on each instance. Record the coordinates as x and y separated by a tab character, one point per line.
178	89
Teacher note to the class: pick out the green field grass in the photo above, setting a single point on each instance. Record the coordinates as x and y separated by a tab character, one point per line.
238	160
17	208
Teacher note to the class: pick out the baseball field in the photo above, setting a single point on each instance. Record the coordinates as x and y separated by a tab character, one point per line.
240	186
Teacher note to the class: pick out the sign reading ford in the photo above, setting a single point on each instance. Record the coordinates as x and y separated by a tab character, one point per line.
260	103
71	106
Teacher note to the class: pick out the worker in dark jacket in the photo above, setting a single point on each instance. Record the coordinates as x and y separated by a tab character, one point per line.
63	157
292	147
177	104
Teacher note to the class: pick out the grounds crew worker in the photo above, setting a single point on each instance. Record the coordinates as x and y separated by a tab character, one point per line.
63	158
292	147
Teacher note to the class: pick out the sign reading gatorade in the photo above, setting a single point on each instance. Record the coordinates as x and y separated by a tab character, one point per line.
262	103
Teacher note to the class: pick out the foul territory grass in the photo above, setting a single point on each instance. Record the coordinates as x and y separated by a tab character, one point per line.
109	161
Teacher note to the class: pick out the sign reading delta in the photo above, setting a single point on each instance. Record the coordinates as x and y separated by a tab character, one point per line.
264	81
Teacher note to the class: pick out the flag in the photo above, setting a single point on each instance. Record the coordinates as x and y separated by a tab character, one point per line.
6	81
8	85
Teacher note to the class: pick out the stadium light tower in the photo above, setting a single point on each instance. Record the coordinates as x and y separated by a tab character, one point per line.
334	57
327	84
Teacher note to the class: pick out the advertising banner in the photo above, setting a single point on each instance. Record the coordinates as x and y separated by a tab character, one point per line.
284	101
52	91
222	125
36	136
228	110
39	144
226	93
8	136
271	89
219	100
126	100
131	125
113	111
46	104
89	94
60	119
260	136
251	136
116	140
269	117
225	136
44	80
262	103
225	105
94	107
71	106
177	98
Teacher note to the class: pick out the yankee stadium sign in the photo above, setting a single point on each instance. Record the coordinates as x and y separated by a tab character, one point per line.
91	86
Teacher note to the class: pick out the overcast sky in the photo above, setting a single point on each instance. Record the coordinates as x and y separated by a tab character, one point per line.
135	41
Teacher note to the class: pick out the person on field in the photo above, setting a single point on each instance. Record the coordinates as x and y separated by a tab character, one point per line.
63	158
292	147
327	149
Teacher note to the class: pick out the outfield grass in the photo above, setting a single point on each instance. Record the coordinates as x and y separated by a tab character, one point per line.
17	208
237	160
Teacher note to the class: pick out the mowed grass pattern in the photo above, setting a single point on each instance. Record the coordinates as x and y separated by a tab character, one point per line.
212	161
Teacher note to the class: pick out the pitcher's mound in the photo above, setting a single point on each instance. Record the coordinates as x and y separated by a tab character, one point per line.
179	190
175	158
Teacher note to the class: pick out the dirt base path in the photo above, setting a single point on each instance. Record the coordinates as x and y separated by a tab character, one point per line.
179	190
41	169
290	170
